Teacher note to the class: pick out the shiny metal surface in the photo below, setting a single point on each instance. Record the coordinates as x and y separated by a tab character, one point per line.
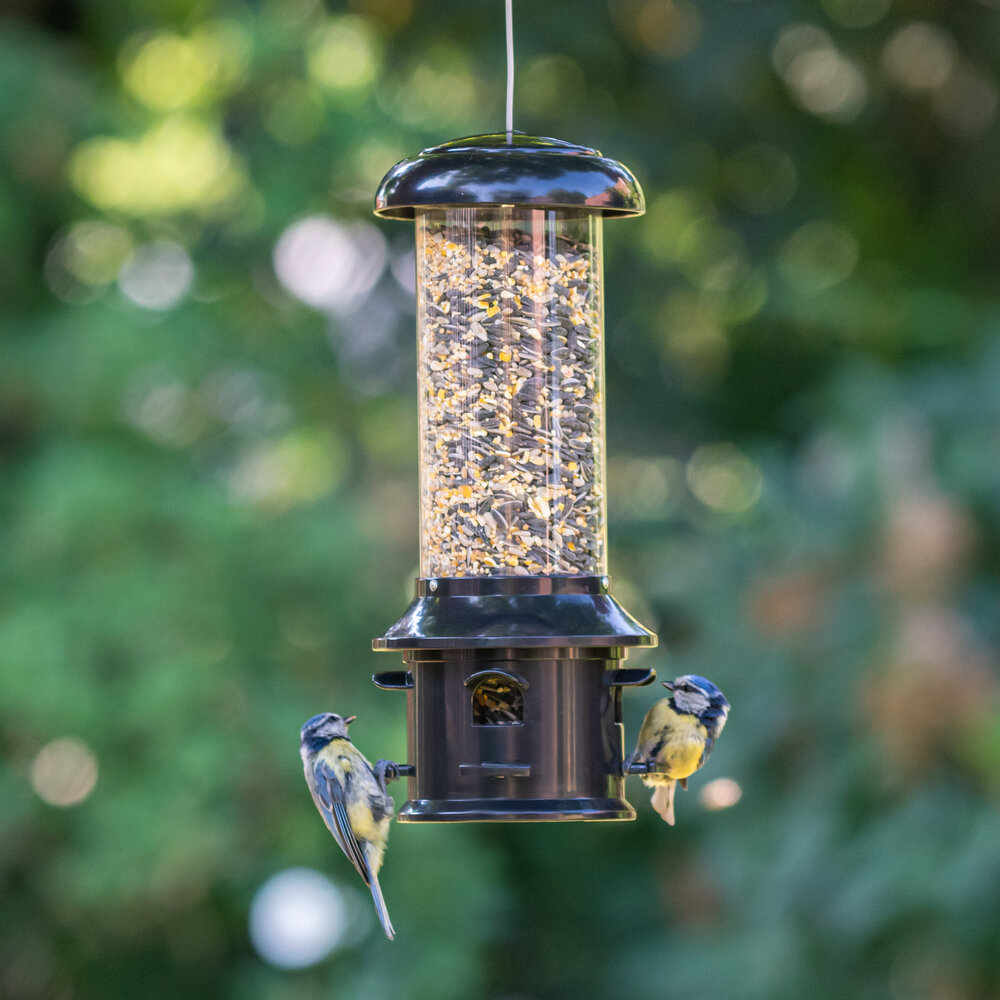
562	762
497	612
531	170
393	680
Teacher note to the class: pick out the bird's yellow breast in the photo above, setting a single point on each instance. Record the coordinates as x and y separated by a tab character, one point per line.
674	741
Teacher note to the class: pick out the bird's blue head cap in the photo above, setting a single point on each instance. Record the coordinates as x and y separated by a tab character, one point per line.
322	728
694	695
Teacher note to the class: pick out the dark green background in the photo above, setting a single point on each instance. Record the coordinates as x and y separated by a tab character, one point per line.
208	510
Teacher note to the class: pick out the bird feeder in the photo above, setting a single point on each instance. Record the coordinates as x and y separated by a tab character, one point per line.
513	645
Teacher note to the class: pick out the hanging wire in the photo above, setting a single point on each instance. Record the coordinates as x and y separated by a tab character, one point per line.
510	72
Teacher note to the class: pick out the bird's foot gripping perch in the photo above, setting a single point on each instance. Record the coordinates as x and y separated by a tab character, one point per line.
390	770
632	766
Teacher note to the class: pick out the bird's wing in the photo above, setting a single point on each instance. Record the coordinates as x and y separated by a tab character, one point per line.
332	804
706	750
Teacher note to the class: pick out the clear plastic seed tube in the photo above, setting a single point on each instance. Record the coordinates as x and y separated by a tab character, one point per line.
511	370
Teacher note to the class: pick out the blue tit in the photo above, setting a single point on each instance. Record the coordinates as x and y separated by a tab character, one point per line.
351	797
677	736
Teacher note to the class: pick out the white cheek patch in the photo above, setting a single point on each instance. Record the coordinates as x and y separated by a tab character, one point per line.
720	725
694	702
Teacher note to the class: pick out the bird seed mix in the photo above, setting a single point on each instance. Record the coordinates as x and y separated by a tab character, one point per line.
511	409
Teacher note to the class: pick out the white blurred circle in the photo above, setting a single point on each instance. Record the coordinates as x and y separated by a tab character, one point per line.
820	77
329	264
722	793
919	56
297	918
64	772
157	276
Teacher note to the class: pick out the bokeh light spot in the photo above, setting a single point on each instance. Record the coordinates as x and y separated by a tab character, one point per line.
743	298
723	478
157	276
169	71
329	264
666	28
287	16
669	28
371	159
297	468
162	407
96	251
297	918
721	793
343	54
919	56
181	163
647	487
794	40
392	13
85	259
549	83
857	13
820	78
64	772
669	217
818	256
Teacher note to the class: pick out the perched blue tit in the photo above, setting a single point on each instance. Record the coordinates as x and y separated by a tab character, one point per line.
351	797
677	736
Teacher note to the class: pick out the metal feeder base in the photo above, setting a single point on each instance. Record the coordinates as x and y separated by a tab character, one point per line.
513	810
514	706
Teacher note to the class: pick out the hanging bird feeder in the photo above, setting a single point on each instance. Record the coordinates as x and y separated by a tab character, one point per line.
513	645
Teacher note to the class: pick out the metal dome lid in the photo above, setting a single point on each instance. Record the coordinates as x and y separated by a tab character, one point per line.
529	170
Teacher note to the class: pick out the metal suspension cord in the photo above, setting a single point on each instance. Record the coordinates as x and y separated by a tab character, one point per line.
510	72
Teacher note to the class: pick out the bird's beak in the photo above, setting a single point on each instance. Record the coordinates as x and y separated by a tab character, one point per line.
349	720
669	685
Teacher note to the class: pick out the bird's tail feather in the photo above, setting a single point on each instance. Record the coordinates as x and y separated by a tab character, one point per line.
663	800
383	913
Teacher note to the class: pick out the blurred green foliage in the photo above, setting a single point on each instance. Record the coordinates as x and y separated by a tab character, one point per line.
208	489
